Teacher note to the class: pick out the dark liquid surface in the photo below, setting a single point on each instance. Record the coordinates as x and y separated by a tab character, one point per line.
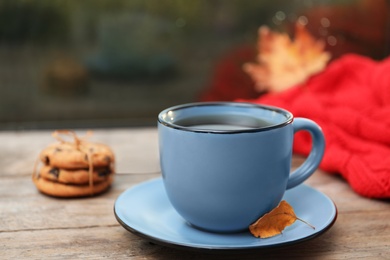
223	122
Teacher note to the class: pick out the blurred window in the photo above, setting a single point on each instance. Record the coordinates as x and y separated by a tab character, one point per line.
111	63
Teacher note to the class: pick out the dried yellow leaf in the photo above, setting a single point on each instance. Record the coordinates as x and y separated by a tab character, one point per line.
274	222
283	62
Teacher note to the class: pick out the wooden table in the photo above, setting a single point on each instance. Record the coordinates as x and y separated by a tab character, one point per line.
35	226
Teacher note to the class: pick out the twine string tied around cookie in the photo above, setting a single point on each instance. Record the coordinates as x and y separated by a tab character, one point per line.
78	143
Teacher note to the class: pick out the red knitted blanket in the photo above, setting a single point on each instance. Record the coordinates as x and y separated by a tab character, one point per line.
350	100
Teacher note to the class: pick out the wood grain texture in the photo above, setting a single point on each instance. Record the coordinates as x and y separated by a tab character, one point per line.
35	226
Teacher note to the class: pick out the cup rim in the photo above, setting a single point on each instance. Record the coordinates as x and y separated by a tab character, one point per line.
288	117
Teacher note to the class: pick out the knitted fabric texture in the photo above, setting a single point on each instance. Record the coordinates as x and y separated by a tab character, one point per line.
350	100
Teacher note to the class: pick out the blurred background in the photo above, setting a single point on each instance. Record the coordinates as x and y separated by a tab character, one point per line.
117	63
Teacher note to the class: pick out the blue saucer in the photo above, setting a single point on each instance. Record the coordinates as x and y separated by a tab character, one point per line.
146	211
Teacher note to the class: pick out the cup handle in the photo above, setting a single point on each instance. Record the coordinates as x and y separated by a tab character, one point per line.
317	151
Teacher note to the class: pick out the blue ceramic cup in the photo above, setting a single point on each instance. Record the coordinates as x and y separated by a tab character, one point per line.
225	164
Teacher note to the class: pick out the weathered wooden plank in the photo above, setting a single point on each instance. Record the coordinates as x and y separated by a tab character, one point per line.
19	150
346	240
24	208
34	226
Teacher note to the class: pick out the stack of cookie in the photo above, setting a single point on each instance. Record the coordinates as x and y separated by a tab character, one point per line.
75	169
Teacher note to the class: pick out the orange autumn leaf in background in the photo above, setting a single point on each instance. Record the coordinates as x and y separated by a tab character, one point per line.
274	222
283	62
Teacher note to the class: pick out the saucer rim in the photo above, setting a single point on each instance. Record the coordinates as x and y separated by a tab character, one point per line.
198	248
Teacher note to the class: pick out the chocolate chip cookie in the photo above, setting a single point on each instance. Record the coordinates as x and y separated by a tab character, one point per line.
58	189
75	176
70	156
74	169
